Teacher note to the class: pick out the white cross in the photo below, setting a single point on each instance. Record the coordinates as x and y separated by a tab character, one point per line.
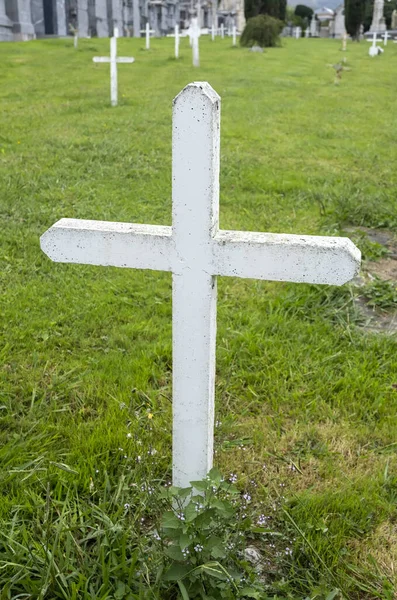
113	60
385	38
76	38
195	34
176	41
234	32
222	31
213	32
344	42
373	51
147	31
298	32
195	250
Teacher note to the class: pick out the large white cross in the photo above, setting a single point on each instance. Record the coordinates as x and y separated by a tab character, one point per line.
113	60
195	250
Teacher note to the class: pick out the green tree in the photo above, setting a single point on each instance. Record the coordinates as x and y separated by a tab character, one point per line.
354	16
387	11
274	8
303	11
263	31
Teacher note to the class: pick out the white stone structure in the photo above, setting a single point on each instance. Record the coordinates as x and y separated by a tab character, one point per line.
195	250
113	60
378	24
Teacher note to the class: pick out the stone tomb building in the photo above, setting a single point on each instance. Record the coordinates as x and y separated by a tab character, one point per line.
28	19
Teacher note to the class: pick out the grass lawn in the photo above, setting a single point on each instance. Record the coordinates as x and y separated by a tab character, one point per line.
306	399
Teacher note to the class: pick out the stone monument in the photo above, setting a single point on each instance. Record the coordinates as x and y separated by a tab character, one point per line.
378	24
5	24
394	19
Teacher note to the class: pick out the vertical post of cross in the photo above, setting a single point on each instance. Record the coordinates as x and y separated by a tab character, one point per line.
147	36
195	42
113	70
176	41
234	35
195	199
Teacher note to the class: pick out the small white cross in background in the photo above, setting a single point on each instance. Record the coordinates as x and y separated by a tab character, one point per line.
195	33
385	38
113	60
374	49
147	31
234	33
195	250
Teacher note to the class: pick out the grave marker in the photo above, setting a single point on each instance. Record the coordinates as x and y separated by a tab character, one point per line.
196	252
234	35
113	60
176	41
222	31
195	33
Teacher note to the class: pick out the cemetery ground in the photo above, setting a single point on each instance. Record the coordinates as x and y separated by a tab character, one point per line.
306	394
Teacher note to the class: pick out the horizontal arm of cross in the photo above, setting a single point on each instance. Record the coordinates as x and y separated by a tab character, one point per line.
107	59
283	257
273	257
109	244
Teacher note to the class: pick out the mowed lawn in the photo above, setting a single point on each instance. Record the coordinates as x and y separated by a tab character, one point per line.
306	398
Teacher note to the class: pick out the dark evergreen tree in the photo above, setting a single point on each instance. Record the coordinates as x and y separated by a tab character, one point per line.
303	11
274	8
354	16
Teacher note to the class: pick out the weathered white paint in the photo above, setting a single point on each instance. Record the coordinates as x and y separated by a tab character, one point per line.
147	36
113	60
373	51
176	41
222	31
195	34
234	33
196	251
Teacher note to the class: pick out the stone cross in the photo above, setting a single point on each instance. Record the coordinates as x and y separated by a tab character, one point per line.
374	50
113	60
147	31
176	41
196	251
195	34
234	34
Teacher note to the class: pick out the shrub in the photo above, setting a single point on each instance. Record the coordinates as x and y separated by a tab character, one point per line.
263	31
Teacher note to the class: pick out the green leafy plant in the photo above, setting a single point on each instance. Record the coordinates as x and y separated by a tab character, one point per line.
263	31
382	294
201	537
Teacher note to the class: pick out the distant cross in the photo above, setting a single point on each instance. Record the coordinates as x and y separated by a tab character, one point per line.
234	33
113	60
147	31
76	38
222	30
195	34
196	251
298	32
374	49
176	41
213	32
385	38
344	42
307	32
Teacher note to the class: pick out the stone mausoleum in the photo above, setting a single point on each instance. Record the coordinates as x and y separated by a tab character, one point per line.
28	19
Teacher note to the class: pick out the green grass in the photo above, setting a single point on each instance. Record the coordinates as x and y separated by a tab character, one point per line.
297	379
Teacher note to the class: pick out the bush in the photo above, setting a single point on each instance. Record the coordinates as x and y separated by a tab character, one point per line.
263	31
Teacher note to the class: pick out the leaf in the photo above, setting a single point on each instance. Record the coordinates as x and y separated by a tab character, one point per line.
184	492
184	541
212	542
218	552
250	593
174	552
200	486
64	467
215	475
190	512
184	593
176	572
333	594
170	521
213	571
